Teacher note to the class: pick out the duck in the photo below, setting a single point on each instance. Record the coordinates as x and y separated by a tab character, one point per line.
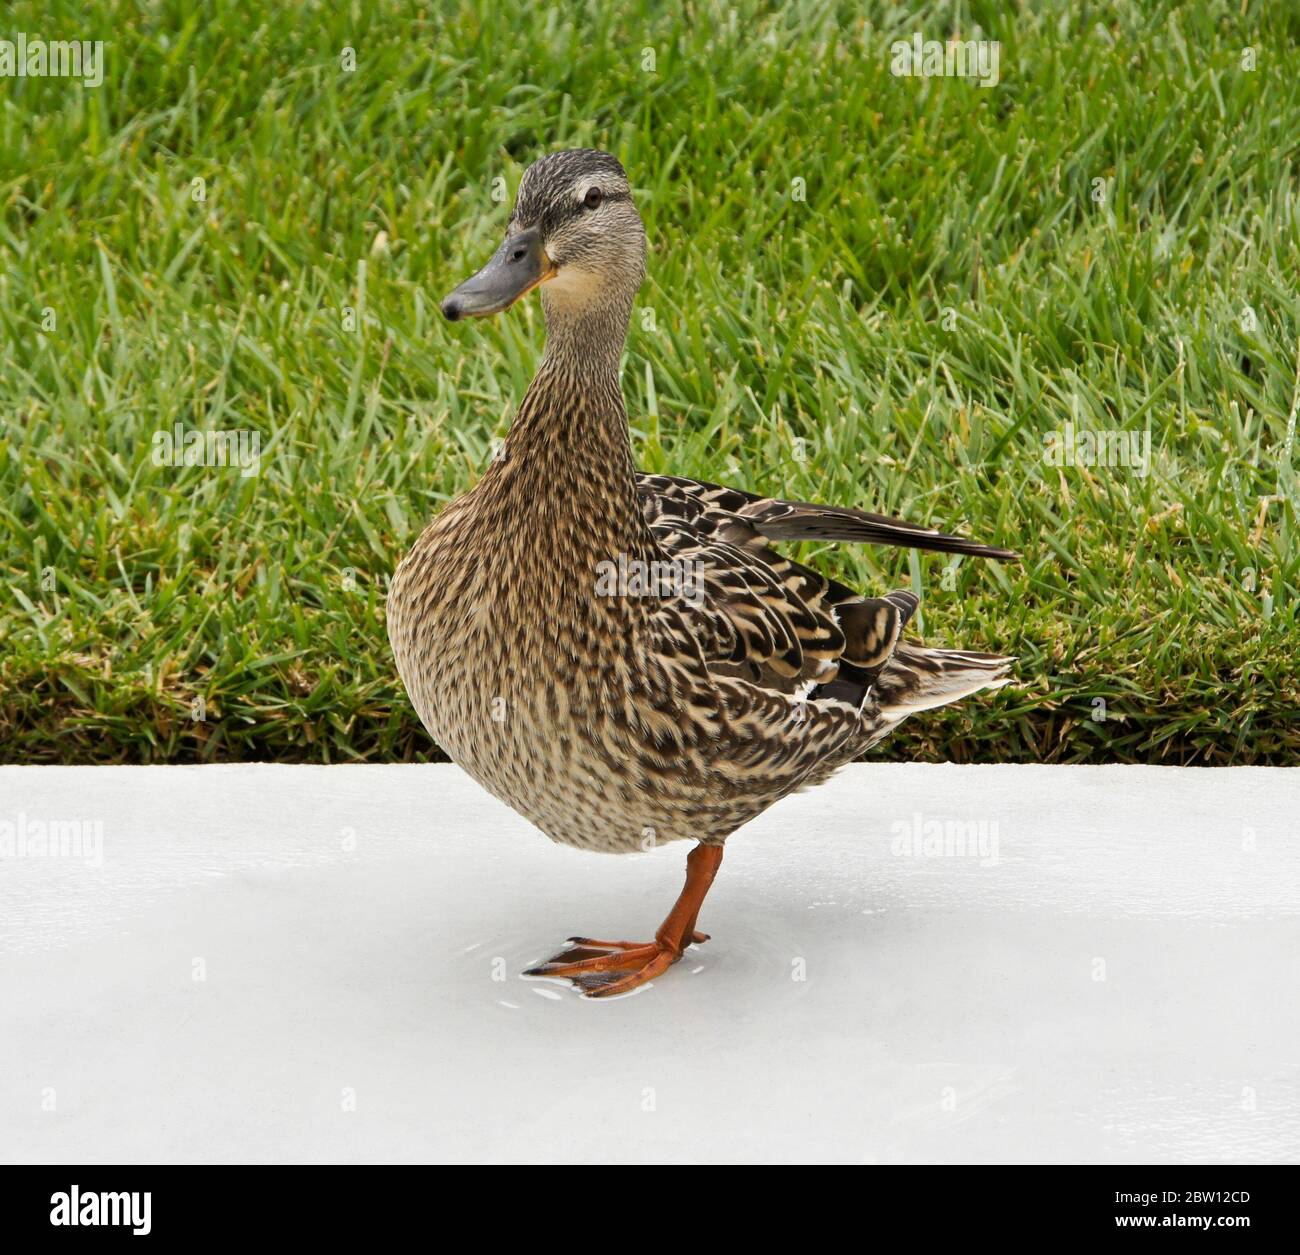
624	658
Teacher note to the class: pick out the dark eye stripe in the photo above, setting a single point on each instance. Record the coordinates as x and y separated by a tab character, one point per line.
605	199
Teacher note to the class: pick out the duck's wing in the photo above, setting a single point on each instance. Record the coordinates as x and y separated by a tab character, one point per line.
754	611
782	675
801	520
766	617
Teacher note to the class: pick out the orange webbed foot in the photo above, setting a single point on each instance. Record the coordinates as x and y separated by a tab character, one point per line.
602	969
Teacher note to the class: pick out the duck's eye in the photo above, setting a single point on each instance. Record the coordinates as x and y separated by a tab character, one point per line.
593	198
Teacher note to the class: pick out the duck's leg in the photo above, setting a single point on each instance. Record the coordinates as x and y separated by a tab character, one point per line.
603	968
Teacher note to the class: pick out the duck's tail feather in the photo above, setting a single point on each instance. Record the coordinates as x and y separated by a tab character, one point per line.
916	678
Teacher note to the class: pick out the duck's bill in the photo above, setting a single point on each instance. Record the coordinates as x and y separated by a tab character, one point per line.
517	267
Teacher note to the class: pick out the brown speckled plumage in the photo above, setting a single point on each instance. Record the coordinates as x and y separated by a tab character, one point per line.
616	722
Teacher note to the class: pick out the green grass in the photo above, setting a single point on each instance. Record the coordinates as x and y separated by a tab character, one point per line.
902	336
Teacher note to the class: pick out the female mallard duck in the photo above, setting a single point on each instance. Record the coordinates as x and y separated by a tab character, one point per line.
621	657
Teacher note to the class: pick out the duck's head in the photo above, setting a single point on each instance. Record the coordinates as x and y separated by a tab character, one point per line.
574	229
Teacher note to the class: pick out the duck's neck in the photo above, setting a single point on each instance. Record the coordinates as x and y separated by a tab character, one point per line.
586	331
568	454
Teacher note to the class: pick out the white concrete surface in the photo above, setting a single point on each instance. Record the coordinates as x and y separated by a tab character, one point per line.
1113	977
